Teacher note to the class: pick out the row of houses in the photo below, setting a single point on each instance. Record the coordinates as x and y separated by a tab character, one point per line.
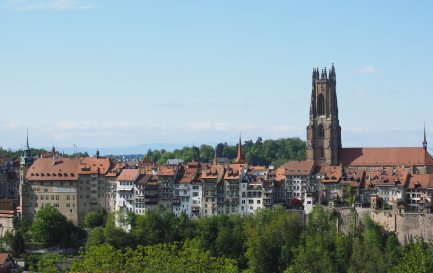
199	189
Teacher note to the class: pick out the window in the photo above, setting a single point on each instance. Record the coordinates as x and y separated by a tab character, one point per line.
258	201
195	194
320	105
321	131
250	201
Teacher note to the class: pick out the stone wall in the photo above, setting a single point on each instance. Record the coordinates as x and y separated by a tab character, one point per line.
6	224
405	225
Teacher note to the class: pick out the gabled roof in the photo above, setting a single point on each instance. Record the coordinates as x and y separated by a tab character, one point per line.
47	169
94	165
129	175
424	181
295	167
407	156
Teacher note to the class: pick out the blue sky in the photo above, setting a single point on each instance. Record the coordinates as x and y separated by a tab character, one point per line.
103	73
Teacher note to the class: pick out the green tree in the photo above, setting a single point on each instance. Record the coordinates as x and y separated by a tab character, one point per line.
15	240
100	259
95	218
95	237
416	258
51	227
269	245
50	263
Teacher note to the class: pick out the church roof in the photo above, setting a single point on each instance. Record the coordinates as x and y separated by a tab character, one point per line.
407	156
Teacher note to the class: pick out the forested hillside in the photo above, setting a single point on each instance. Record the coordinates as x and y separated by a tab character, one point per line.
268	152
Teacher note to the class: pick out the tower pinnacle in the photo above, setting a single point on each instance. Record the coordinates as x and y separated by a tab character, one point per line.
240	158
424	143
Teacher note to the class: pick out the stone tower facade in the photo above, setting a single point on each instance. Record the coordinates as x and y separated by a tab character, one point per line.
323	130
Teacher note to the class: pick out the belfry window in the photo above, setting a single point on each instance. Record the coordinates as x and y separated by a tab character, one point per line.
321	131
320	105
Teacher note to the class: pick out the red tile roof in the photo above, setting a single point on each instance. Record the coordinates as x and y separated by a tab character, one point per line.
129	175
407	156
424	181
45	169
332	174
294	167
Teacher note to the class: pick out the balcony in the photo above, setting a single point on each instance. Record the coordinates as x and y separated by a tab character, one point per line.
151	193
151	200
125	187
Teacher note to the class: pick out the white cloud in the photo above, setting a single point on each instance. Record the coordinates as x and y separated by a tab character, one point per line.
49	4
368	69
217	126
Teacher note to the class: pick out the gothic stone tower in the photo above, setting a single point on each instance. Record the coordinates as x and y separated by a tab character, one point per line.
324	131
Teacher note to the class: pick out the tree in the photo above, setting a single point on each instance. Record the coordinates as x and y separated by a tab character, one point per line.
416	258
49	263
317	253
269	245
15	240
206	153
349	196
174	257
100	259
96	237
95	218
50	226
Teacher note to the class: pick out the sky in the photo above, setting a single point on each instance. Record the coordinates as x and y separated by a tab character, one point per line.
105	73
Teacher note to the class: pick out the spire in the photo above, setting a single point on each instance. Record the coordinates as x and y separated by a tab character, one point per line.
240	158
332	72
28	147
53	151
424	143
97	153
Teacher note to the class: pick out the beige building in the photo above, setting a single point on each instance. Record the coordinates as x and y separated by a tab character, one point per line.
72	185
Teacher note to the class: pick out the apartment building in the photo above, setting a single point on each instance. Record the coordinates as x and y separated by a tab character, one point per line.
72	185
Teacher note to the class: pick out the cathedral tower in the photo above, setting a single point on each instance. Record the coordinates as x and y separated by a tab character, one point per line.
324	131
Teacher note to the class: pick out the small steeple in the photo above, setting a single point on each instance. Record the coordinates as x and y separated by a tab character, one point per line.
53	151
28	147
240	158
424	143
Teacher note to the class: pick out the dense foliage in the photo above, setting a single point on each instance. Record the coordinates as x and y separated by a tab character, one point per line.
268	152
268	241
51	228
16	154
271	240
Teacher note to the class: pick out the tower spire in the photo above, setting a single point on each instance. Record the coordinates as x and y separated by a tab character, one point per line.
28	147
240	158
424	143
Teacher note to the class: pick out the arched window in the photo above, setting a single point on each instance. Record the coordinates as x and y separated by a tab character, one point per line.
322	153
321	131
320	105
